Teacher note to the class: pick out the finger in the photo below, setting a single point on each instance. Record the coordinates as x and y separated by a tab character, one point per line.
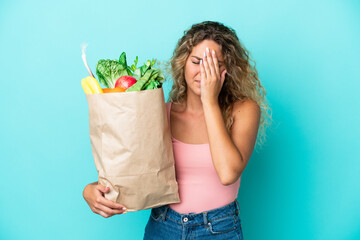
103	214
110	204
202	71
107	210
216	63
210	62
206	67
102	188
100	212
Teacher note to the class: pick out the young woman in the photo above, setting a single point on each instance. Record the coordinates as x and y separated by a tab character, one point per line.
216	108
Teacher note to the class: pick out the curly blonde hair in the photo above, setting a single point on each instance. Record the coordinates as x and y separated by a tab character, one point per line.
241	80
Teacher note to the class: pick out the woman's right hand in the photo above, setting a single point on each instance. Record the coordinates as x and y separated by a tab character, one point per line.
94	196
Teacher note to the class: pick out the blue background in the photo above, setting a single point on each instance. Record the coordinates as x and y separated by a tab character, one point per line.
303	184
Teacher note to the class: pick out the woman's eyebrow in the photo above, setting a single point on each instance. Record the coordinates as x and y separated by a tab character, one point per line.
198	58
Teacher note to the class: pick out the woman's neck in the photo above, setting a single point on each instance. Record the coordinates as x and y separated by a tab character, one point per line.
194	104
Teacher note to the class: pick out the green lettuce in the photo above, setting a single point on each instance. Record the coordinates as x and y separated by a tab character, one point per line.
109	72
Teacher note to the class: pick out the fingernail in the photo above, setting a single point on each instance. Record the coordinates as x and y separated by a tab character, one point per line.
204	54
207	49
124	208
213	52
201	61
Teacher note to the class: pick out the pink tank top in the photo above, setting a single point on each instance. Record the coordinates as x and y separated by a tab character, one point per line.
200	188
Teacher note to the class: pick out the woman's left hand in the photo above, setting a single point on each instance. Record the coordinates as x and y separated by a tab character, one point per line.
211	79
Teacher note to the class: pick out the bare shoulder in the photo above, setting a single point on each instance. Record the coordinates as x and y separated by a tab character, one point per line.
177	107
246	109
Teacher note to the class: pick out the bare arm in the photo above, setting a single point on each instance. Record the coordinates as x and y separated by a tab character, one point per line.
230	154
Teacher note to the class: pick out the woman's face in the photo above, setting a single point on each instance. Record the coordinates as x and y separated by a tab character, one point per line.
192	66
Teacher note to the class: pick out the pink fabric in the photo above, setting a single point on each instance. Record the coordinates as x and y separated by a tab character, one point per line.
200	188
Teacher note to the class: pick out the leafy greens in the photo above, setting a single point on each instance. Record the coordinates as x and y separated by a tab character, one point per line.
147	76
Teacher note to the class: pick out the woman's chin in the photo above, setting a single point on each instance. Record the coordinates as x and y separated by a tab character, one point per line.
196	91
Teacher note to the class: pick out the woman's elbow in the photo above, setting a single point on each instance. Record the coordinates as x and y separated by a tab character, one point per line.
230	178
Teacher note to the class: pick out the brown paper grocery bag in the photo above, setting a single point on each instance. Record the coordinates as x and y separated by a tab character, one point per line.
132	148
